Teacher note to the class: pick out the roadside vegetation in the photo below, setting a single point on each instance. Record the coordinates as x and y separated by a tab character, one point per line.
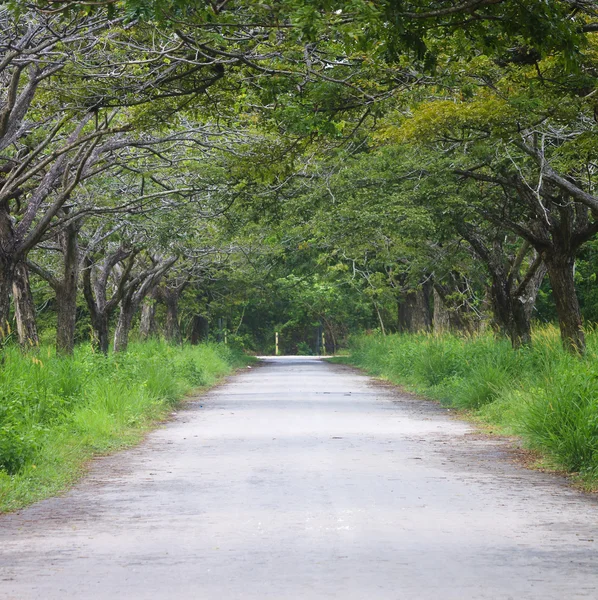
541	392
57	412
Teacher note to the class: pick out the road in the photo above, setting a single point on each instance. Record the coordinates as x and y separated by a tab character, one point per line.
303	480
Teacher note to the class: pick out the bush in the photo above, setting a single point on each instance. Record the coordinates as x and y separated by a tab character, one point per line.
562	417
17	448
304	349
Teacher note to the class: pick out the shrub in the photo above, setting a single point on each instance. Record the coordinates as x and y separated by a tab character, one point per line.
17	448
562	417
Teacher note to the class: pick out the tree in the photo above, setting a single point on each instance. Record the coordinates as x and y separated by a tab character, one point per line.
127	109
516	279
134	290
58	131
96	279
522	140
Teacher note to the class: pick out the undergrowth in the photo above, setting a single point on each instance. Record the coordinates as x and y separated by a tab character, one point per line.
57	412
540	393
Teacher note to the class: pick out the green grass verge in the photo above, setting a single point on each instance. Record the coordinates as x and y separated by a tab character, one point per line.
58	412
542	394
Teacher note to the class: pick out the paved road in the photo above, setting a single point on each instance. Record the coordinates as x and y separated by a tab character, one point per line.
303	480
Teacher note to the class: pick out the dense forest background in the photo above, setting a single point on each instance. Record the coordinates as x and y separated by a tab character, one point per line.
231	169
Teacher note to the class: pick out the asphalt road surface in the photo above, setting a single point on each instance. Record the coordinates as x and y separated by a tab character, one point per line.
303	480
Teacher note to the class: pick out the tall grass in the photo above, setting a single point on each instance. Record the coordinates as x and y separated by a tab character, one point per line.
56	412
541	393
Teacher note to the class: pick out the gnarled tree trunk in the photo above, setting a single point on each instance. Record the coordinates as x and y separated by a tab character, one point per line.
66	291
514	287
24	307
441	320
414	311
98	310
169	294
95	291
6	278
172	329
451	315
134	293
502	316
513	305
65	287
561	275
147	323
124	323
102	332
523	303
7	267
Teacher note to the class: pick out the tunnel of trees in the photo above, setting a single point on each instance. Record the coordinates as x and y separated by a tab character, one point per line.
227	169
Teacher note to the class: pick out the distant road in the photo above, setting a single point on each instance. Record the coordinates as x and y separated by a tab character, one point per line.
304	480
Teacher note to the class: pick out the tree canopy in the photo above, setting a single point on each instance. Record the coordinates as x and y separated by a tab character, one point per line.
302	167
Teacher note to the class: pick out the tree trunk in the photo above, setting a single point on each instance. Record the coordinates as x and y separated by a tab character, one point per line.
502	316
98	314
561	275
332	338
24	307
102	332
6	279
452	316
172	330
527	298
7	267
147	324
414	311
441	314
123	326
66	299
66	292
522	306
99	323
380	320
200	329
405	313
511	318
521	326
132	299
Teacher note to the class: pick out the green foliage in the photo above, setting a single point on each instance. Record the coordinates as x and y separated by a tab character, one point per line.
89	403
17	448
542	393
304	349
387	28
563	417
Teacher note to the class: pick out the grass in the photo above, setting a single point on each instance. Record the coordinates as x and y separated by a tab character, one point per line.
58	412
542	394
